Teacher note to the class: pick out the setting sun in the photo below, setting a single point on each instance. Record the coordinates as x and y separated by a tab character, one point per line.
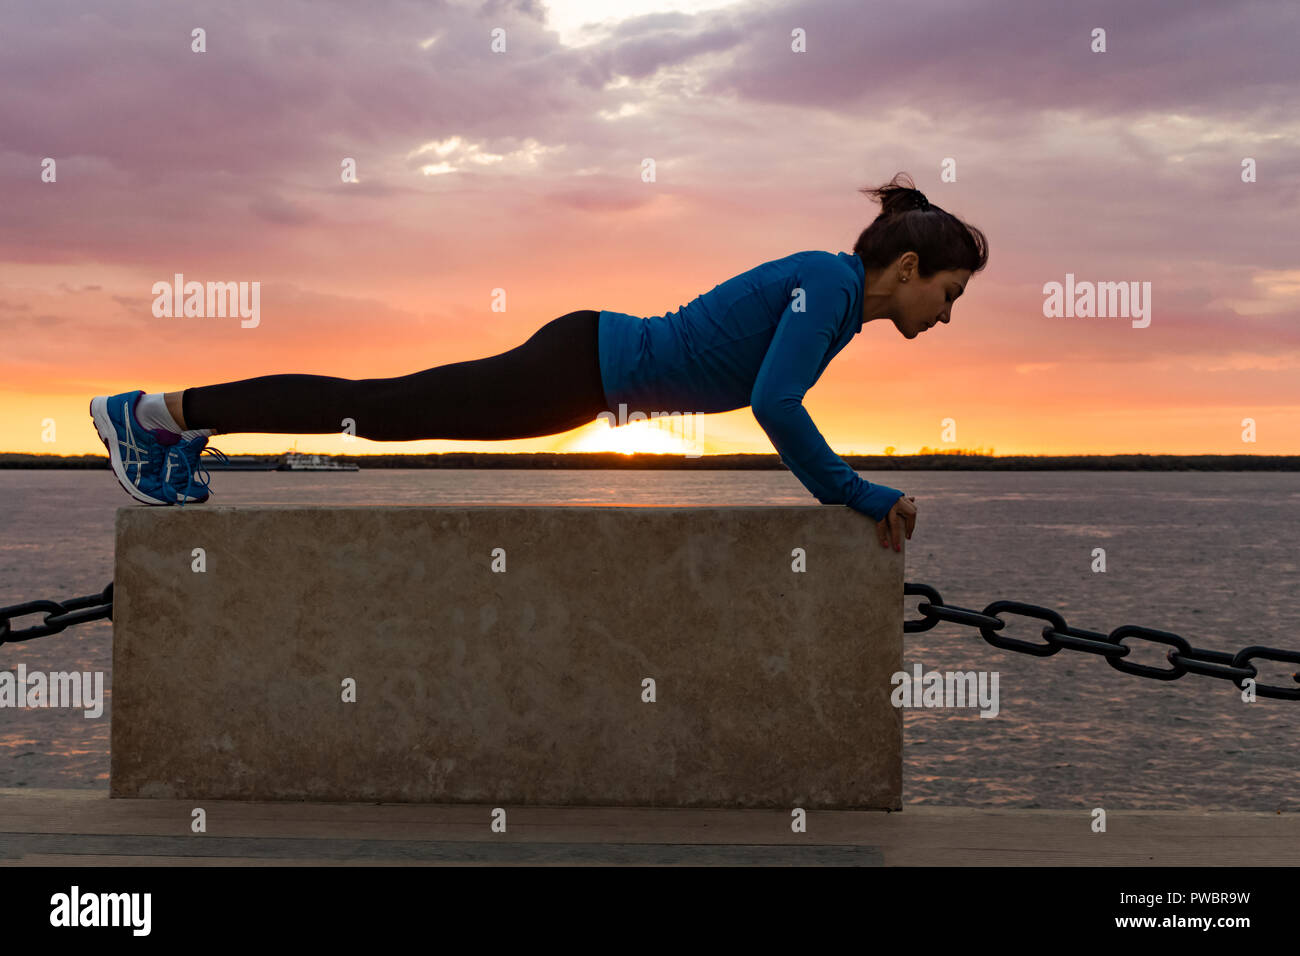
672	436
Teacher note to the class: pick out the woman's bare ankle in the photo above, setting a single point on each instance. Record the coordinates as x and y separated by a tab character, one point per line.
175	407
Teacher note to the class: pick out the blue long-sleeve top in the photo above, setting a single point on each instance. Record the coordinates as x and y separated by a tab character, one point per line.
761	339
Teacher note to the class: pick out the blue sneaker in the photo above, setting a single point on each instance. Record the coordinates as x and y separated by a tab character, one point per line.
183	472
138	455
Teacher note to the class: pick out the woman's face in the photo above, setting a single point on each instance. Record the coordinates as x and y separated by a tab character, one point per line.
923	303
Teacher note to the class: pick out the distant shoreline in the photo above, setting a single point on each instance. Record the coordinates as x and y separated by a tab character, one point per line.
768	462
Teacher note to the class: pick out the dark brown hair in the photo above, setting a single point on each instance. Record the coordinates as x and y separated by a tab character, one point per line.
909	222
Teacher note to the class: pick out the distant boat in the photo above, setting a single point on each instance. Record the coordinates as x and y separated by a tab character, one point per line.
295	461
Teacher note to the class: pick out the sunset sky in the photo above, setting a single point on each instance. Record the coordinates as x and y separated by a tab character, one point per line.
522	170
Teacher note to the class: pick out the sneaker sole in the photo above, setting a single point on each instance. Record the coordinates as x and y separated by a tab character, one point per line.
108	435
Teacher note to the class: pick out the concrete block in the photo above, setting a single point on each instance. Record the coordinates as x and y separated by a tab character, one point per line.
505	655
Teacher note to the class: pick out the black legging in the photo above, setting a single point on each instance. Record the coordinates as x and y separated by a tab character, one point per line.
549	384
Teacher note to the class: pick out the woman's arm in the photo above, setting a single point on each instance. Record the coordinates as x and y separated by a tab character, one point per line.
789	369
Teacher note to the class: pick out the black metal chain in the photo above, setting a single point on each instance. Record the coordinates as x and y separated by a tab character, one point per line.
1183	658
58	615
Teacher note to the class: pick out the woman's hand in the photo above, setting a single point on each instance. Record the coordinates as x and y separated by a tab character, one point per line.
901	517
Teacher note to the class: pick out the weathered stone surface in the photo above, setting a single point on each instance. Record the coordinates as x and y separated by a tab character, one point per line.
515	688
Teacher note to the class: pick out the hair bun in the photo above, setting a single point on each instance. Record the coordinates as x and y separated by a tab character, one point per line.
899	196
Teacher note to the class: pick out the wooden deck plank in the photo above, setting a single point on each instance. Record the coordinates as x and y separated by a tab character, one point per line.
87	828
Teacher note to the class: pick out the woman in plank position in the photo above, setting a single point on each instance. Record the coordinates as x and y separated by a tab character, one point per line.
760	339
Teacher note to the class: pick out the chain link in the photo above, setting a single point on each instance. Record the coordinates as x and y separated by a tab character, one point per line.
1183	658
58	615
